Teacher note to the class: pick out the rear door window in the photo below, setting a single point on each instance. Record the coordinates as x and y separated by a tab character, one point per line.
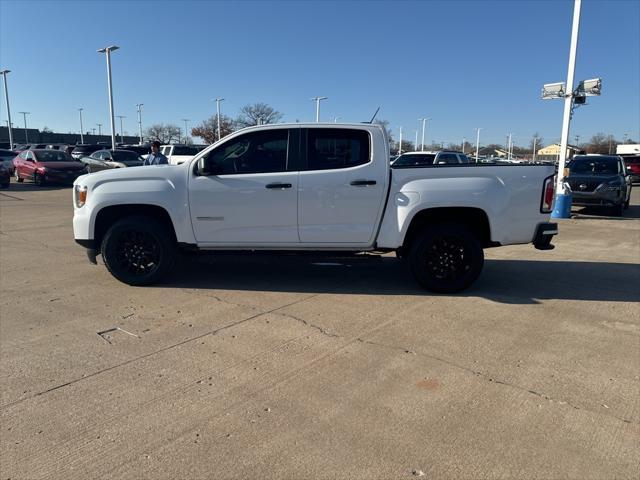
331	148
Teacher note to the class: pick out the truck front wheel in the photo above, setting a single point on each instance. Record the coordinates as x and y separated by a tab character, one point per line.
446	258
138	250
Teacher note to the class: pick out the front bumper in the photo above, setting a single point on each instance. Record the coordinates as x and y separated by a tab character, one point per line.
92	251
604	199
543	236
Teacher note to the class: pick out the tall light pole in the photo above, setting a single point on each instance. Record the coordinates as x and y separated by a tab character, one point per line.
6	97
81	128
477	142
424	125
26	135
108	51
568	99
121	135
185	120
218	100
510	147
400	143
335	119
100	130
415	147
535	141
318	100
93	130
139	108
464	140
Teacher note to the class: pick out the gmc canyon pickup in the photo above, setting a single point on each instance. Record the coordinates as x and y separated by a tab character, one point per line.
312	187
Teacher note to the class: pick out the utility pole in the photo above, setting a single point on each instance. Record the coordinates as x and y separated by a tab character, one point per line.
477	142
317	100
81	128
121	134
6	96
424	126
107	51
26	135
185	120
218	100
139	107
568	99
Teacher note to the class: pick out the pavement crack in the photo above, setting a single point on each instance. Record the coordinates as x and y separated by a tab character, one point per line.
155	352
309	324
492	379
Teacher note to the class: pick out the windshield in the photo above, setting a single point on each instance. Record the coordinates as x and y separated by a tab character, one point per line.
415	159
125	156
53	156
608	165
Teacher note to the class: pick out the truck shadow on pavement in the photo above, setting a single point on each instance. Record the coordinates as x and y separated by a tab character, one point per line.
594	213
503	281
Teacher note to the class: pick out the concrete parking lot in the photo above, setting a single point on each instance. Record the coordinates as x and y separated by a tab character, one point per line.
298	367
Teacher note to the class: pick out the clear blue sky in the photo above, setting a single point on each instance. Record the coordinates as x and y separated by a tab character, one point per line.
465	64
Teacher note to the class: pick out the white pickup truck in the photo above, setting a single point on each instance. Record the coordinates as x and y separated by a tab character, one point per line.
312	187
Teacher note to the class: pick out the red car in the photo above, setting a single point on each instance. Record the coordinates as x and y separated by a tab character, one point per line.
47	166
633	166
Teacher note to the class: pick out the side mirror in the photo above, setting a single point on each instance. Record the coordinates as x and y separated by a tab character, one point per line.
206	167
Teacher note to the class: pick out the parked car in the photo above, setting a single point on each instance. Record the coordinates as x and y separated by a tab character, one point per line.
600	180
311	187
85	150
64	147
142	150
178	154
5	176
6	158
107	159
37	146
47	166
420	159
633	166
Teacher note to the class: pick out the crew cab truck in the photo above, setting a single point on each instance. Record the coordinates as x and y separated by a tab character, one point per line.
311	187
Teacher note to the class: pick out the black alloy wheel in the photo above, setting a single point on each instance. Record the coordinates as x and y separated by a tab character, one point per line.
38	179
446	258
138	250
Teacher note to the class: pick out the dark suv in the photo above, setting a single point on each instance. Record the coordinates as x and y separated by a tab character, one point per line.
600	180
85	150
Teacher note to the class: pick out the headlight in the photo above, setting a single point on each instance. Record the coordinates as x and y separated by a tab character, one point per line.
610	187
80	195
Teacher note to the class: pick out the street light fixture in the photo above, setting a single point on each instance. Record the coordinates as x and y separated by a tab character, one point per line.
424	124
26	135
100	130
477	142
139	107
185	120
318	100
218	100
81	128
121	135
107	51
6	96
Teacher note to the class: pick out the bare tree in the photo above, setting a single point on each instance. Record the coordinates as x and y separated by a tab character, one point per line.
163	133
600	143
257	114
208	129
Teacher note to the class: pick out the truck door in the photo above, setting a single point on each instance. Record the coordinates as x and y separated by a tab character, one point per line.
252	197
342	189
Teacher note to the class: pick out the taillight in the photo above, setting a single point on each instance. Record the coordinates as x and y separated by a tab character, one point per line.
546	205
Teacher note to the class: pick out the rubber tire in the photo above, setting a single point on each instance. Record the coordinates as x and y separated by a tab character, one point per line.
17	177
39	180
422	242
147	225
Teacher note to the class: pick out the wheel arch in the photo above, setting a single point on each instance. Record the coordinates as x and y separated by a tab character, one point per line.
107	216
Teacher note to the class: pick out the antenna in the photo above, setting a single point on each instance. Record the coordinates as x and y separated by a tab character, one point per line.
374	116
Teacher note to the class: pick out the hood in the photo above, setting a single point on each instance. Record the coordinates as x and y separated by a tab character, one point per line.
168	173
63	165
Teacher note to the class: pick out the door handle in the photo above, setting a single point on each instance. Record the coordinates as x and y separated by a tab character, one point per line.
280	186
363	183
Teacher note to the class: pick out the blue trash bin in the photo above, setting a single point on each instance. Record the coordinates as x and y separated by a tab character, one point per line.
562	206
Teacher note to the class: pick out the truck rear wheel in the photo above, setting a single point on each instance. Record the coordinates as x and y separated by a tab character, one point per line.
446	258
138	250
